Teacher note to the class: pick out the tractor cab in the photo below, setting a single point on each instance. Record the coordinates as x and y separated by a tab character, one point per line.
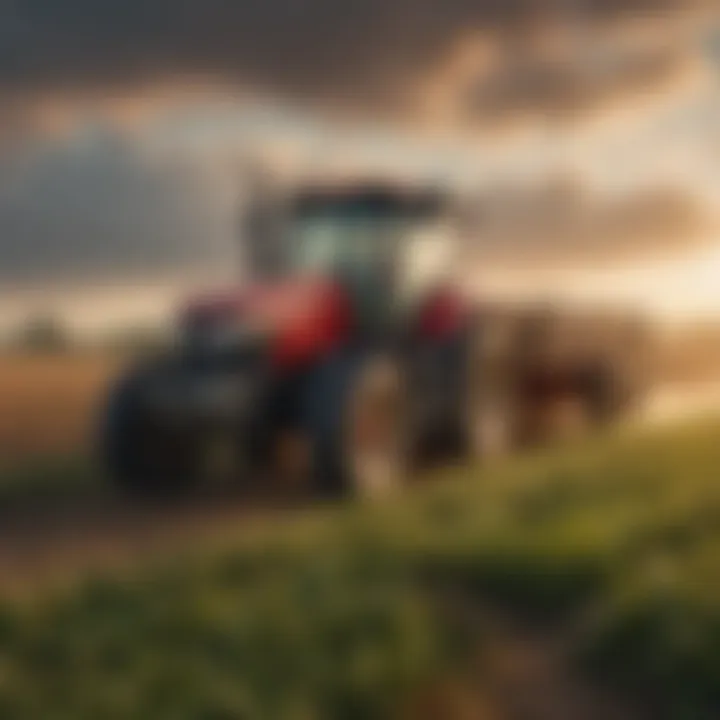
383	245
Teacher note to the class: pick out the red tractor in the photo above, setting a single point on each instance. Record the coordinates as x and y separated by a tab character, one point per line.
346	358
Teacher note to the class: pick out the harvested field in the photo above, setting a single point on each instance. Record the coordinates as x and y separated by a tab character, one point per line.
48	403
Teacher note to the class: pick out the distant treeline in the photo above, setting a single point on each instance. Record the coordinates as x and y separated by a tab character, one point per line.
48	334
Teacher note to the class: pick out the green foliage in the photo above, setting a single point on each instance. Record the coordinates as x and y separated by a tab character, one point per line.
334	637
49	483
342	614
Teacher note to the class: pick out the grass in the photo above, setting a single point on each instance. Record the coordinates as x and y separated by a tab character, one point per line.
350	612
47	483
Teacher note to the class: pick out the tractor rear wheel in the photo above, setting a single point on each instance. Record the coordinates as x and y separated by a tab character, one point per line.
375	441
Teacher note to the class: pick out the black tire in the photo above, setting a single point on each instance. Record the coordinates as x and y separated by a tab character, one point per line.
140	456
331	394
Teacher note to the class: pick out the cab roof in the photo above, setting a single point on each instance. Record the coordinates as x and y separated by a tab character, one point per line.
369	198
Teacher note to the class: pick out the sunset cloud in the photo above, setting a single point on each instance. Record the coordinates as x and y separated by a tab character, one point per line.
89	206
374	57
560	222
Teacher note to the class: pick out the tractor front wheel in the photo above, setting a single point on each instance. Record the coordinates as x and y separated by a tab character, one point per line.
143	458
358	425
375	441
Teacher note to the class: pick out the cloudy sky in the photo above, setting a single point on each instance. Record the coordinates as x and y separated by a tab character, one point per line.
123	128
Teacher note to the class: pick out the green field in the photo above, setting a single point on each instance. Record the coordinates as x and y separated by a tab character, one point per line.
355	612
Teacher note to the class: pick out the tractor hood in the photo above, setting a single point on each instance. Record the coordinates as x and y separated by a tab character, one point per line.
298	319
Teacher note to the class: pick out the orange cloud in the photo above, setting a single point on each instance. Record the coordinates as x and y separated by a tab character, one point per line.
467	61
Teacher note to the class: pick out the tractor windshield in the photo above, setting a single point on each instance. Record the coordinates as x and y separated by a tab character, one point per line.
356	232
323	244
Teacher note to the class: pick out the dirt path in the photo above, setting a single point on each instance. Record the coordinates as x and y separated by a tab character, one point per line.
523	670
529	672
48	547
